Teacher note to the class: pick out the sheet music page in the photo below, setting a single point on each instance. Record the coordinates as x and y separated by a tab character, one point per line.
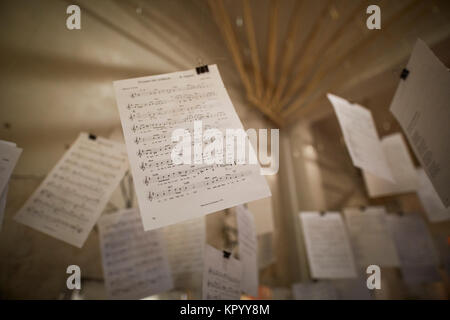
370	237
185	245
248	246
421	106
9	155
321	290
69	201
434	208
3	197
361	138
402	168
151	108
327	245
135	263
221	276
415	248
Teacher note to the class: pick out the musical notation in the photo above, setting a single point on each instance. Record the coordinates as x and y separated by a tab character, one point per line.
69	201
134	261
221	276
151	108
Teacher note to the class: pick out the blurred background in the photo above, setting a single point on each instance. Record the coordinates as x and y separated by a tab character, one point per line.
277	59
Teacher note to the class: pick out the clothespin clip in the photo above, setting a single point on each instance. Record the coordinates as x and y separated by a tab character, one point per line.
404	74
92	136
202	69
226	254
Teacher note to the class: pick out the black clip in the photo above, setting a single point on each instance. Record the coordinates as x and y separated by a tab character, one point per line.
404	74
92	136
226	254
202	69
362	208
322	213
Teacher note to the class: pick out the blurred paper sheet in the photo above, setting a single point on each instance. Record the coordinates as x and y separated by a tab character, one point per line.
402	168
321	290
421	106
415	248
361	137
370	237
9	155
221	276
3	197
135	263
327	244
185	245
434	208
248	247
69	201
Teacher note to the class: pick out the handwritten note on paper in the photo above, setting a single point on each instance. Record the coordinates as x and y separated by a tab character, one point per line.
327	245
361	137
321	290
134	262
248	246
151	108
221	276
370	237
421	106
415	248
185	246
70	200
434	208
402	168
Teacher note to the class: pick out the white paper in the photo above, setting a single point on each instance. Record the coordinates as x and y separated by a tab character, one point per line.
3	197
415	248
434	208
370	237
70	200
185	245
221	276
421	106
135	263
9	155
248	246
321	290
402	168
150	109
327	244
361	138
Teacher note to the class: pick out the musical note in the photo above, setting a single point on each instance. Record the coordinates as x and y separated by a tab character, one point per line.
134	261
69	201
151	108
221	276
